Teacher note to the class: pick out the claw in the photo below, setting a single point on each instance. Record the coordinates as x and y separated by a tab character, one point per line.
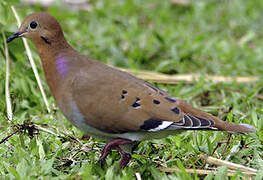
102	163
126	157
115	144
104	153
125	160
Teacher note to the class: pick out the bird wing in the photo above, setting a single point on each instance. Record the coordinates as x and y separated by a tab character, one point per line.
116	102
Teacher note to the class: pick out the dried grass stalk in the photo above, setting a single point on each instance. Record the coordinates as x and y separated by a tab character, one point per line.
7	93
189	78
230	165
33	65
203	171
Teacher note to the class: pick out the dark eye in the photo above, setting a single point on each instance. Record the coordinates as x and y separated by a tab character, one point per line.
33	24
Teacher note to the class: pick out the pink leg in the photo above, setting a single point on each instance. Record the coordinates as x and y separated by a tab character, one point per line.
115	144
126	157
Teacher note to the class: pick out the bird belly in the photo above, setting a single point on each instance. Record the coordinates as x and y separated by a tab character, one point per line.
146	135
77	119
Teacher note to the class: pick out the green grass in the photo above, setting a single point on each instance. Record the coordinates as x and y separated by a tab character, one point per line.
210	37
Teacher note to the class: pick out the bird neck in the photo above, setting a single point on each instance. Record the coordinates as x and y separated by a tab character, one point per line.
51	48
56	60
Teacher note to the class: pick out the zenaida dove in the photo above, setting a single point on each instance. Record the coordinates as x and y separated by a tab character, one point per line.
107	103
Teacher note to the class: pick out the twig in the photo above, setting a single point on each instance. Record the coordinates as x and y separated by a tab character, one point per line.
227	143
203	171
42	128
46	130
65	134
230	165
62	123
7	93
7	137
138	176
190	78
33	65
83	148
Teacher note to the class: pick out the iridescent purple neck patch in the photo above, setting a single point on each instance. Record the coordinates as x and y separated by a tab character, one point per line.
61	65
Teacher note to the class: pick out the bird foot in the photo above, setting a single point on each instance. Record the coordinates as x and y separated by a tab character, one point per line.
126	157
115	144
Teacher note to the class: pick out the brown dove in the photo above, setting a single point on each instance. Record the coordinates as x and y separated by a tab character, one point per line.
107	103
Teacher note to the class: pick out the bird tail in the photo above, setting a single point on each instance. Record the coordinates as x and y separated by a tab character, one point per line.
216	124
232	127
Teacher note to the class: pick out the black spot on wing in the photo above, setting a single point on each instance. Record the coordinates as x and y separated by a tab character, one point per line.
156	101
170	99
124	92
136	105
175	110
151	124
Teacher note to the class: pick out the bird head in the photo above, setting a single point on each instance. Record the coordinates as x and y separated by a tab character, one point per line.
40	28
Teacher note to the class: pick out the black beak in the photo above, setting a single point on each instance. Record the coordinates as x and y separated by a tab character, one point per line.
14	36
